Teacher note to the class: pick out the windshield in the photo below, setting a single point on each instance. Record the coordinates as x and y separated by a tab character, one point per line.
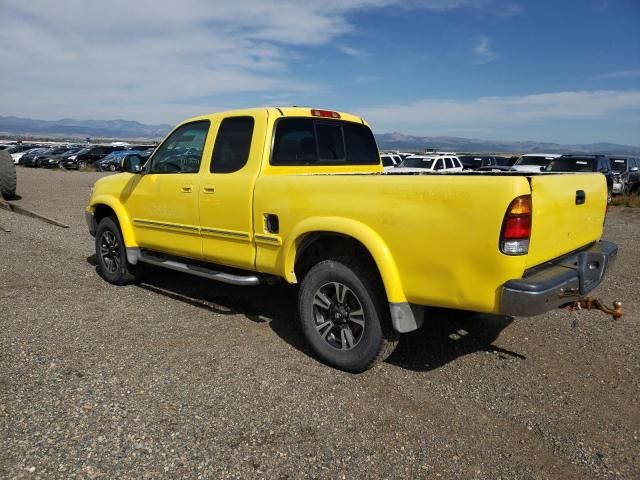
417	162
619	164
571	164
532	160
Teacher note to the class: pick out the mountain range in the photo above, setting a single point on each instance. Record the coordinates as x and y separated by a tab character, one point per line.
127	129
399	141
68	127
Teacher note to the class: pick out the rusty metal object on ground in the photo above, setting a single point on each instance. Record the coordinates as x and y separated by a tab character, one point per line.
589	303
23	211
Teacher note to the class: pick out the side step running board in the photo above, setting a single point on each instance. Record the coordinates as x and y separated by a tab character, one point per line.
242	280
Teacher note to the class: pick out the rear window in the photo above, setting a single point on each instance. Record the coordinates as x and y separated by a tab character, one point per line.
471	162
307	141
568	164
417	162
531	160
387	161
619	164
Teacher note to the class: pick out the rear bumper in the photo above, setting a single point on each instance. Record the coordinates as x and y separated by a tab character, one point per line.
558	282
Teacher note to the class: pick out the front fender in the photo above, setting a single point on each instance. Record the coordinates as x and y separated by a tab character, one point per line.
356	230
121	214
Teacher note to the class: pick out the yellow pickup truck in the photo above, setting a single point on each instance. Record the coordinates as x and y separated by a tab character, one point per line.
299	195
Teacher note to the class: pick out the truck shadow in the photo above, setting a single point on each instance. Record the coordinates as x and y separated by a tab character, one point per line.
445	335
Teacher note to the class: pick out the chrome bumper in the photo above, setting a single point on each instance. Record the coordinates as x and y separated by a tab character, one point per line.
91	223
558	282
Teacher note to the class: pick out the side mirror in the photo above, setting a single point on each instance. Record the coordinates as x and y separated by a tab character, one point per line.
132	164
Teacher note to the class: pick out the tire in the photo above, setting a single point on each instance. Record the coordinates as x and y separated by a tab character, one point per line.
112	167
7	176
111	255
331	295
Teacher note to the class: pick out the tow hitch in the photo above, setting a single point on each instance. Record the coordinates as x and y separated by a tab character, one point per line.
588	303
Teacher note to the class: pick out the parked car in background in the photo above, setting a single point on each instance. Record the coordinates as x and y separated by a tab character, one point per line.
475	162
29	158
18	150
429	163
42	159
113	161
89	155
55	161
142	148
533	162
626	177
584	163
389	161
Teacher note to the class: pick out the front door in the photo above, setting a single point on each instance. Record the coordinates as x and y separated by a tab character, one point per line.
226	196
163	202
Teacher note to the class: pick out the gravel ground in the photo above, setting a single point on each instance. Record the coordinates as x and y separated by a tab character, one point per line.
185	378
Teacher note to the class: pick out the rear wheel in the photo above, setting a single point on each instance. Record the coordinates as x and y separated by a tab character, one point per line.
7	175
111	255
344	314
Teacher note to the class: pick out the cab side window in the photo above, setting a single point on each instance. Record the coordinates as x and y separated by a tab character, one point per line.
182	151
233	143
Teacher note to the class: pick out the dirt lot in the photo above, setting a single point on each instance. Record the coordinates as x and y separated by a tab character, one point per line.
182	377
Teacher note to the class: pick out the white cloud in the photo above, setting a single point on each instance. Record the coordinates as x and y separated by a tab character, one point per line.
352	52
427	114
620	74
482	50
157	61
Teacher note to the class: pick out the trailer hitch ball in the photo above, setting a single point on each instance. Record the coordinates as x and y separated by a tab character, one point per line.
588	303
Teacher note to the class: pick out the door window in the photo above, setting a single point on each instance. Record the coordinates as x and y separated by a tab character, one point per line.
231	150
182	151
448	162
438	164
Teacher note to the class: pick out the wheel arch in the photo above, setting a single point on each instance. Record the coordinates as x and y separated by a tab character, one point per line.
322	238
102	207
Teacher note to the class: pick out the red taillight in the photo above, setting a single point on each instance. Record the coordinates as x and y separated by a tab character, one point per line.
516	227
324	113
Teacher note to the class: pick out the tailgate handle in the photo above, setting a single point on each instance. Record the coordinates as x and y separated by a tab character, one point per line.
580	197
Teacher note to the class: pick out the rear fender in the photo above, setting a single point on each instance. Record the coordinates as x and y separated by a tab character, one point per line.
356	230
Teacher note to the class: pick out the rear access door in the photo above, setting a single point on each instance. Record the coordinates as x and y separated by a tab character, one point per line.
226	196
568	213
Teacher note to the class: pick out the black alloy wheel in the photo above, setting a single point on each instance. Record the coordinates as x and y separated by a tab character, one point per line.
344	314
111	254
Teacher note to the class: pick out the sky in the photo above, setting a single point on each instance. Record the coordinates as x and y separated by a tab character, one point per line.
564	71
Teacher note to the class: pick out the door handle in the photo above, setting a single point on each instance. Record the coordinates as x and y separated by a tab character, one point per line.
209	189
186	189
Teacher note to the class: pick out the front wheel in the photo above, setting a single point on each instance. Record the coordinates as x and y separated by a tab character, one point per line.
111	255
344	314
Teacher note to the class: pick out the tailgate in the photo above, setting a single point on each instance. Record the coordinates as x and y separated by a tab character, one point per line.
561	223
